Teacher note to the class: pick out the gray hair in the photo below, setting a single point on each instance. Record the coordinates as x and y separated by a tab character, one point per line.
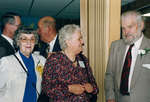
25	30
65	33
139	17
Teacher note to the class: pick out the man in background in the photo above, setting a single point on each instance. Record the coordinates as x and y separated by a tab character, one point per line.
10	23
48	41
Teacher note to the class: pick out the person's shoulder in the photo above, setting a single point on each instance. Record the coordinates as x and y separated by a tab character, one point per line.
2	39
56	54
146	39
8	58
146	42
35	55
3	42
8	62
117	42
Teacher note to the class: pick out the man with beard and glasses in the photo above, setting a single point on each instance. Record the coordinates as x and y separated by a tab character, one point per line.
127	77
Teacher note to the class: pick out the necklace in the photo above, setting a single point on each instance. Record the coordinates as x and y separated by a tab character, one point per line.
74	60
69	58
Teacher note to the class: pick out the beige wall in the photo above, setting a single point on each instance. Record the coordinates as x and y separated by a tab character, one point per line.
100	24
115	9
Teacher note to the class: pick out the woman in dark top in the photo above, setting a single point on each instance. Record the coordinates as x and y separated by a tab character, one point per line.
67	76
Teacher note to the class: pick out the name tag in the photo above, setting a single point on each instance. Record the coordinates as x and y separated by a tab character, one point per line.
81	63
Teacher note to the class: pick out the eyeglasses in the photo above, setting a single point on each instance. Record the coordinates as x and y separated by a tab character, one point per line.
15	24
24	40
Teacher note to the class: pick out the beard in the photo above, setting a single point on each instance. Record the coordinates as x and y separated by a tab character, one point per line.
133	38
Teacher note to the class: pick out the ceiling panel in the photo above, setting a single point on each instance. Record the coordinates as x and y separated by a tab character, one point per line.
68	9
18	6
38	8
47	7
72	10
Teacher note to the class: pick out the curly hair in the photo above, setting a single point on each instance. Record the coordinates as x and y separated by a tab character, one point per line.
25	30
66	32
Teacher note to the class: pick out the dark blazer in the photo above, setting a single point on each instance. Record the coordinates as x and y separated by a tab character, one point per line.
5	47
42	47
56	46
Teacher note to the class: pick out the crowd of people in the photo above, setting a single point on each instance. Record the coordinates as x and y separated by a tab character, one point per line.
42	65
45	65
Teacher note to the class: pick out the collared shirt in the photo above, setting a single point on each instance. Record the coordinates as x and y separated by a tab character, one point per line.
135	49
51	44
8	39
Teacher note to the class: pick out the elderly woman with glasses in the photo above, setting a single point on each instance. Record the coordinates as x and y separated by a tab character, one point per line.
67	76
21	73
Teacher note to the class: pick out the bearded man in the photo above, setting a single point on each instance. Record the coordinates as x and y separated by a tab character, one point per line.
127	77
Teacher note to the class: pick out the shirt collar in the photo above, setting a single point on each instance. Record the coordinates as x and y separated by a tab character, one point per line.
8	39
137	44
52	43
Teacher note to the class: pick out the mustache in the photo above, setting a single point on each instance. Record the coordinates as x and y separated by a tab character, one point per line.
128	35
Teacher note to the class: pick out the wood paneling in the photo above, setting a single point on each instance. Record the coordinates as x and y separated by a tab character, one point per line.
100	22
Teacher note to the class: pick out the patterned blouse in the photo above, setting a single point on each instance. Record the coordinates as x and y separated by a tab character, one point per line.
59	72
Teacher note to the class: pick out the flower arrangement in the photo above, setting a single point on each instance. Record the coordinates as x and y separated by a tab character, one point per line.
39	68
144	51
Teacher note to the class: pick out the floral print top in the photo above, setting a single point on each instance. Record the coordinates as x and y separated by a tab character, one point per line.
59	72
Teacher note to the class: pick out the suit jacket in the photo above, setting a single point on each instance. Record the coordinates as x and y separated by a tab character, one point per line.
13	77
42	47
140	82
5	47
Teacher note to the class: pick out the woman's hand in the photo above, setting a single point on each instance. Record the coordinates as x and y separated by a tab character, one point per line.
88	87
76	89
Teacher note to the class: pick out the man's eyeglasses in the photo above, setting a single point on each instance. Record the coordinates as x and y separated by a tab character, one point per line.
24	40
15	24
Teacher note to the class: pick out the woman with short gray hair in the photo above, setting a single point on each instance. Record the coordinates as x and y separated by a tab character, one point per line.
66	33
67	76
21	73
25	30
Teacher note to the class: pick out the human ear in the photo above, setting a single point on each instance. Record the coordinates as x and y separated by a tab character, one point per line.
142	25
